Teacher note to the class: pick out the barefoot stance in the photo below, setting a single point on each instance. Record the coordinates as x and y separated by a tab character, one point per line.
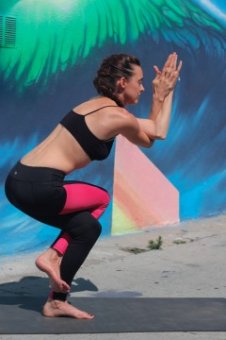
49	263
57	308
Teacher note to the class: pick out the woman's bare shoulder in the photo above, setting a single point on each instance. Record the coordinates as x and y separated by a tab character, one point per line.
96	103
122	120
125	116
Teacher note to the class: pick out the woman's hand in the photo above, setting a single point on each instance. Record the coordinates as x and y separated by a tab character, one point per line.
165	80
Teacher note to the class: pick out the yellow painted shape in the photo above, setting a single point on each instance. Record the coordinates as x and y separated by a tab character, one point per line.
121	224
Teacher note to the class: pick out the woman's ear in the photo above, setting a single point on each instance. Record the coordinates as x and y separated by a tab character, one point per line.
121	83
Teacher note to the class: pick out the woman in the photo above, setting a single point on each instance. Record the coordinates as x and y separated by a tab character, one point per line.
36	183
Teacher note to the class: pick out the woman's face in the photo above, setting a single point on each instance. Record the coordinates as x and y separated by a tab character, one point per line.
133	86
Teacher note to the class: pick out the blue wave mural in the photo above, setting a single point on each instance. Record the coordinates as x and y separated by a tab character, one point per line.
58	49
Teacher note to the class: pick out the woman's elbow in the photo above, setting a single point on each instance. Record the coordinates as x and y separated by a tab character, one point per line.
148	143
161	135
161	132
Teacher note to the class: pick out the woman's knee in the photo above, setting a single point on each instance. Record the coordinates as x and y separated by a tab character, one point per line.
105	198
84	226
93	229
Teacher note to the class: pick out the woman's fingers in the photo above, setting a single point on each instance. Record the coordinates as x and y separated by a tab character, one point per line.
179	66
172	69
174	61
169	62
170	65
166	79
157	70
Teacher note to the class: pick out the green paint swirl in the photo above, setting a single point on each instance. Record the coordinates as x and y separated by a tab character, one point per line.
53	35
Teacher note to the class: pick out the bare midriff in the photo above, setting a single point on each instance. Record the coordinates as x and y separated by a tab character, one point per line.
59	150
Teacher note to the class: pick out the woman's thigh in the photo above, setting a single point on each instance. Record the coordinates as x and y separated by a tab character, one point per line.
81	196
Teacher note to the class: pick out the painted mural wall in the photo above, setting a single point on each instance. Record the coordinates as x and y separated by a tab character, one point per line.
49	53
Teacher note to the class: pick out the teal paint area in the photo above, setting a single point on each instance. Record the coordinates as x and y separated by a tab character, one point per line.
197	199
194	155
216	8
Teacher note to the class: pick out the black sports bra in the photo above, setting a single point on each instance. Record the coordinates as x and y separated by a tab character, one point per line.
95	148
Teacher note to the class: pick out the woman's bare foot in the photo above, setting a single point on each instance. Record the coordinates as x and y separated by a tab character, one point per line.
49	262
56	308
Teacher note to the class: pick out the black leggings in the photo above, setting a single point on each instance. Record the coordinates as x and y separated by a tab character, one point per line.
43	194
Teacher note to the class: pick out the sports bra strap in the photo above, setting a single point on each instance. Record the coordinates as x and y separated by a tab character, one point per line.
103	107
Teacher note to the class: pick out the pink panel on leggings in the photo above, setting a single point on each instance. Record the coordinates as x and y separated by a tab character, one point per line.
62	243
80	197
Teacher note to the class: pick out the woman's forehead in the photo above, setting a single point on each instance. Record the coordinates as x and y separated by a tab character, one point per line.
137	71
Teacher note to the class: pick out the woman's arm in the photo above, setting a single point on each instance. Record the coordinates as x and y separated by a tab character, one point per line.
156	127
143	132
164	83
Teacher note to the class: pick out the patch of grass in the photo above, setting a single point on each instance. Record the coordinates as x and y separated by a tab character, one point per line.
152	245
157	244
179	241
135	250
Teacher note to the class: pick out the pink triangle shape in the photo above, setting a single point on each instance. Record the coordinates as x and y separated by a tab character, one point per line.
141	190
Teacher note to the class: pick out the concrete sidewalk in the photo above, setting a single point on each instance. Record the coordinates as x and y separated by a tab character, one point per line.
191	263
